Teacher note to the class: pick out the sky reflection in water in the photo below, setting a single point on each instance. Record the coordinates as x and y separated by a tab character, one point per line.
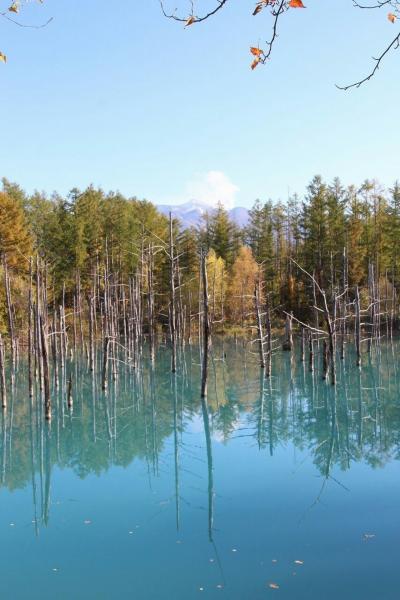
284	487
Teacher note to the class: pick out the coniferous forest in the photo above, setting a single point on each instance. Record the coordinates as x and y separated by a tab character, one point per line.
98	268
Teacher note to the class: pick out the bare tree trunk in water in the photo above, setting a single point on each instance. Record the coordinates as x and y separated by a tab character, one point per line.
46	372
260	333
10	316
104	376
206	326
172	297
30	336
3	386
357	328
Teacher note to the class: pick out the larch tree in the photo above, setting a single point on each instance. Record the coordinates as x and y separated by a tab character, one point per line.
15	238
244	275
217	283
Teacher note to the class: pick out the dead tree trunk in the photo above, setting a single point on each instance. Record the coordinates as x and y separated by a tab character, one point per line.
46	371
30	333
357	327
172	311
150	303
104	376
288	343
260	332
310	352
10	314
3	385
70	401
302	345
268	333
206	326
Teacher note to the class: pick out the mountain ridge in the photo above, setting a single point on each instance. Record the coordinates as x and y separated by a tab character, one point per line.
191	213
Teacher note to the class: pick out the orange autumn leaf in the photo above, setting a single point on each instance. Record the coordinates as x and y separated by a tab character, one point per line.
260	5
190	21
392	17
296	4
256	51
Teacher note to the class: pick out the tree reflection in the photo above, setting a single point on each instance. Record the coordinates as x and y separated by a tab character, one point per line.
144	410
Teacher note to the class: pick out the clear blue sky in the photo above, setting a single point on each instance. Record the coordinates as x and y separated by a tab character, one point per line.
112	93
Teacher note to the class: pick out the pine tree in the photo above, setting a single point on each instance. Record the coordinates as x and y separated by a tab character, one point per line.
356	249
314	230
259	236
336	230
221	234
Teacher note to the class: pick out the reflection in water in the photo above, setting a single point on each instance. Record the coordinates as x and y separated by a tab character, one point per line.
358	420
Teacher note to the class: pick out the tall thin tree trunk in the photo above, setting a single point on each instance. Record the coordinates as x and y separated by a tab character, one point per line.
172	296
206	326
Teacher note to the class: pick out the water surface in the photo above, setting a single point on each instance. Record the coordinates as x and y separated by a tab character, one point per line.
283	488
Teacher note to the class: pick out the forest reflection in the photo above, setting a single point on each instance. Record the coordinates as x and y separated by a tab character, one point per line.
146	410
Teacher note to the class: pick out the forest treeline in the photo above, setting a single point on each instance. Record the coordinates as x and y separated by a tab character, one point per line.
334	233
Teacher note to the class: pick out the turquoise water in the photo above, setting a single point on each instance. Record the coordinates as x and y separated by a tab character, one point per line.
146	493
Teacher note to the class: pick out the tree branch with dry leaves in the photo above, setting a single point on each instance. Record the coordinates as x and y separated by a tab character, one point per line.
10	14
277	8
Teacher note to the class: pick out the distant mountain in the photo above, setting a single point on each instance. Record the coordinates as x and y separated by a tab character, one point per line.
190	213
239	215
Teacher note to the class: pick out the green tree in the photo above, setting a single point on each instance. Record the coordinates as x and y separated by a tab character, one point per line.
314	229
221	234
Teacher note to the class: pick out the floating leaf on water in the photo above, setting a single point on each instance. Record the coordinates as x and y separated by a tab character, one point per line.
368	536
55	569
201	589
211	560
274	560
87	522
12	524
273	586
234	549
299	562
220	586
130	532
